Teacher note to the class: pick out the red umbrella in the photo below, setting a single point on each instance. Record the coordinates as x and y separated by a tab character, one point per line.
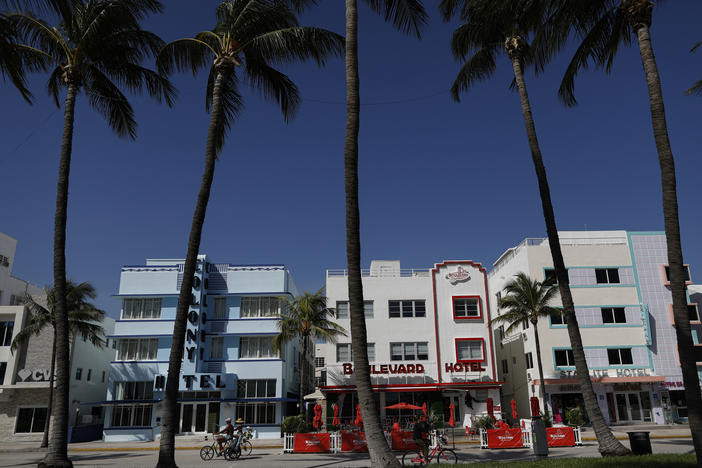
452	419
514	409
405	406
335	421
317	421
535	411
424	408
359	418
490	408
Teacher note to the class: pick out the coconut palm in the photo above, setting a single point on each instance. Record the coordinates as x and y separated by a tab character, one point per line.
97	47
527	300
602	27
488	29
250	36
408	16
697	87
83	320
11	64
306	317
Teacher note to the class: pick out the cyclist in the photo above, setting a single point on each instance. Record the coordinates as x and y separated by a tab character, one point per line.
420	434
239	432
225	433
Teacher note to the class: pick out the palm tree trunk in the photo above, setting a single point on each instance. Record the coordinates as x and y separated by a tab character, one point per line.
45	438
380	453
302	377
542	387
608	444
686	349
169	427
57	456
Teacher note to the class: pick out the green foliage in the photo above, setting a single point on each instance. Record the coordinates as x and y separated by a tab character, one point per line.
666	460
546	418
574	416
295	425
525	300
484	422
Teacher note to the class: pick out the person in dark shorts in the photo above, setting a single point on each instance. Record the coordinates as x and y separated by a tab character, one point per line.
420	434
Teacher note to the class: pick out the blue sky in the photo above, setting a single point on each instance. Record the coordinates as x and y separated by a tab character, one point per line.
439	180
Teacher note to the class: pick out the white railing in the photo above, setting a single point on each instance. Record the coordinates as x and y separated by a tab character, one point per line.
483	438
526	438
335	442
403	273
578	436
288	443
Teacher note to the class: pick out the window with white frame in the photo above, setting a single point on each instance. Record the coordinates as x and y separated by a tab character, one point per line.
133	390
607	275
260	306
529	360
256	413
256	388
137	349
407	308
6	330
219	308
217	347
371	352
131	416
620	356
557	318
141	308
564	357
469	350
613	315
342	309
412	351
30	420
343	352
466	307
256	347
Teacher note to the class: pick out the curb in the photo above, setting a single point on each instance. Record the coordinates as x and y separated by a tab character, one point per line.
147	449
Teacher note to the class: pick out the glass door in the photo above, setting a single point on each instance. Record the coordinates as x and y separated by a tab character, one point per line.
635	407
622	407
200	417
186	418
646	406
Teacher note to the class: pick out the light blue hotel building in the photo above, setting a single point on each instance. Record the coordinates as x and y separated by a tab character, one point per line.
229	366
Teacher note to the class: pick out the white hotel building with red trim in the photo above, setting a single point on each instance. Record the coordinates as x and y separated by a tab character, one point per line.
428	340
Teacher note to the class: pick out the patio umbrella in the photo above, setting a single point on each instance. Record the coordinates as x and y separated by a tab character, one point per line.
335	421
490	408
405	406
452	419
317	421
424	408
514	408
359	418
535	411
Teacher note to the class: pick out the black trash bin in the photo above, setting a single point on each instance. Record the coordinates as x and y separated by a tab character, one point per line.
640	443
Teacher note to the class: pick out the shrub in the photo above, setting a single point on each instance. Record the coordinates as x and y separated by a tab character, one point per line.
546	418
295	425
574	416
484	422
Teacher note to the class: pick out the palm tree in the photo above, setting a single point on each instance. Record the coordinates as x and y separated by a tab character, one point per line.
97	47
408	16
697	87
602	26
525	301
83	319
11	62
306	317
249	35
489	28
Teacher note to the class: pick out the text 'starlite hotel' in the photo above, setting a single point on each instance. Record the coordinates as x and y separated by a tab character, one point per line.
229	366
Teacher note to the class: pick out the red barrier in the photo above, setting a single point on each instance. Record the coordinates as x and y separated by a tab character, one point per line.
403	441
560	436
317	443
504	438
353	442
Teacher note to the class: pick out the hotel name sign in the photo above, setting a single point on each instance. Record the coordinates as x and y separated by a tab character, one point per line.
609	373
406	369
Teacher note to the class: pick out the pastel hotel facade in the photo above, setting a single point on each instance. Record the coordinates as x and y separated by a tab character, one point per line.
623	305
229	367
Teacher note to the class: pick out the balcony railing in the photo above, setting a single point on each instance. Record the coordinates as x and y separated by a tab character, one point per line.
403	273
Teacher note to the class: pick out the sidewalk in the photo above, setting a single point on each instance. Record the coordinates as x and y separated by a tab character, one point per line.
676	431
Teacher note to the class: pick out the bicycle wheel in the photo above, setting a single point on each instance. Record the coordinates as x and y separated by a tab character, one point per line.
207	452
246	447
446	456
412	458
232	453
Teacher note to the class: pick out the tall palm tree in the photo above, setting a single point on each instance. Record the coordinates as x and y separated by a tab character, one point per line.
83	320
12	65
527	300
697	87
250	35
306	317
97	47
490	28
408	16
602	27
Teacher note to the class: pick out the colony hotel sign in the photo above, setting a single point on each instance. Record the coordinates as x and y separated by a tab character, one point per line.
405	369
458	276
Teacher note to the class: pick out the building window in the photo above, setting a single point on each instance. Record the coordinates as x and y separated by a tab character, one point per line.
319	362
6	330
260	306
264	388
16	300
343	352
3	369
137	349
686	268
607	275
256	413
371	352
256	347
692	313
558	319
470	349
133	390
141	308
114	344
90	374
620	356
414	351
529	360
414	308
613	315
30	420
368	309
550	276
342	309
467	307
525	325
217	347
79	373
504	366
103	376
131	415
219	308
564	357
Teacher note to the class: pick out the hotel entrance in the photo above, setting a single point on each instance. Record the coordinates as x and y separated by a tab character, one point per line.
633	406
198	416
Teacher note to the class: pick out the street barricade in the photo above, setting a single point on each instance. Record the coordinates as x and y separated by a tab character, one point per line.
560	436
319	442
504	438
353	442
403	441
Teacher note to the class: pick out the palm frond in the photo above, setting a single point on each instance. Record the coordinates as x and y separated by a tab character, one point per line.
478	67
273	84
109	101
695	89
408	16
185	54
297	43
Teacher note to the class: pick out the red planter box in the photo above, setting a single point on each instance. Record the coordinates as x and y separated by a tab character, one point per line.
560	436
353	442
312	443
505	438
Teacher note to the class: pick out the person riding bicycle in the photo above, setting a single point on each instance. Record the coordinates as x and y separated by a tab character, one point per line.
239	432
225	433
420	434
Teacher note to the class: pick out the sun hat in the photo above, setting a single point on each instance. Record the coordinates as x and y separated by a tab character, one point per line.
228	420
239	421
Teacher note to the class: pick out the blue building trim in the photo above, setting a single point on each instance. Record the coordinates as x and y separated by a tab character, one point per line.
649	335
139	362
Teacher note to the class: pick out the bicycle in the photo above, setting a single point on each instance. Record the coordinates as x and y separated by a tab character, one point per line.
416	457
246	445
208	452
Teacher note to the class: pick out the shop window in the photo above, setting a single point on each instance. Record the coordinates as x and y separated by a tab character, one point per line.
260	388
470	349
613	315
467	307
564	357
529	360
30	420
131	416
620	356
405	309
607	275
141	308
256	413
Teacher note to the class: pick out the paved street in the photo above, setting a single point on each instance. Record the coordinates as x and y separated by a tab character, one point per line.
273	458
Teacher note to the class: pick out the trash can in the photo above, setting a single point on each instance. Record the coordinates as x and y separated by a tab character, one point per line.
640	442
